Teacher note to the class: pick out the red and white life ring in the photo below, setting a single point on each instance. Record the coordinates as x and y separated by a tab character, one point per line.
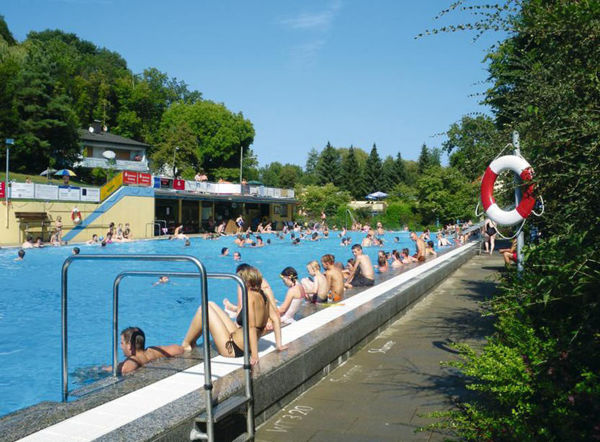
76	216
521	167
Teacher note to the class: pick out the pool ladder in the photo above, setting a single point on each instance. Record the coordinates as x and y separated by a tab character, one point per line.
213	412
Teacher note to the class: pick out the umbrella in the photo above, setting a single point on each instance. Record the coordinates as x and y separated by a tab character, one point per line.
48	171
376	195
63	172
255	183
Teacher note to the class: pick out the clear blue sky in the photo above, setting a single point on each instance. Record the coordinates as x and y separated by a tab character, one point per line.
304	72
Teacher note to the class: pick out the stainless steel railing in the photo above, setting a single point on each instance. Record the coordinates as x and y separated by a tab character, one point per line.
245	328
202	274
163	258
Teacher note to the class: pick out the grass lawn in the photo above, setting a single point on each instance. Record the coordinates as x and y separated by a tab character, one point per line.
20	178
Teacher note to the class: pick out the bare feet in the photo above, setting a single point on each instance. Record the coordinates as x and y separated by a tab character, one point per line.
228	305
187	347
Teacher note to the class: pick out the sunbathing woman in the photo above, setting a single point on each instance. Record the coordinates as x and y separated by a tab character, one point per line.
294	296
228	337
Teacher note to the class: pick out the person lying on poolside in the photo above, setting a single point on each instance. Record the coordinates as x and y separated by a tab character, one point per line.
227	336
133	344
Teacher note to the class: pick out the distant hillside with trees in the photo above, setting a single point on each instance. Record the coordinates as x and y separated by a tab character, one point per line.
54	83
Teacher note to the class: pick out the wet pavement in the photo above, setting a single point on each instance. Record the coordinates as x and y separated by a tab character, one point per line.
384	391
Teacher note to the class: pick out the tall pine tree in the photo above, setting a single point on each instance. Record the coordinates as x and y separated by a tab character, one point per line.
373	171
329	168
424	161
389	177
352	175
400	169
310	169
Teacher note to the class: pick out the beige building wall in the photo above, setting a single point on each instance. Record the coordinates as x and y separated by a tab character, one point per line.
137	211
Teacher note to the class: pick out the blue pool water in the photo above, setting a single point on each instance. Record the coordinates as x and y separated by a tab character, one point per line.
30	323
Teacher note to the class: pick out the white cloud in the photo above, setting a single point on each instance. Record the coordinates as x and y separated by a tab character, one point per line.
306	54
321	21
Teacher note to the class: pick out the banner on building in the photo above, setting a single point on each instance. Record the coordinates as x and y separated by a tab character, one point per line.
68	193
130	177
111	186
144	179
179	184
90	194
22	190
46	192
2	194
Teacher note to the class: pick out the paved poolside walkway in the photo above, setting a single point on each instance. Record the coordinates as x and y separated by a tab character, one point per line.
381	392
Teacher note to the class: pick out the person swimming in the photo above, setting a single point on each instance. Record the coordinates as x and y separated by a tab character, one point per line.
133	344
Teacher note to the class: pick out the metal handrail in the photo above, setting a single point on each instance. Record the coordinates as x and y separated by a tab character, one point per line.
153	224
159	221
173	258
245	328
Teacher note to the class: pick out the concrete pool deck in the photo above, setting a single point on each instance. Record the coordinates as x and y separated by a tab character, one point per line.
384	390
164	410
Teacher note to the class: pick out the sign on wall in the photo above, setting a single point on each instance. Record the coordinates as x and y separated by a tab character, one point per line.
46	192
68	193
22	190
144	179
130	177
178	184
90	194
2	194
111	186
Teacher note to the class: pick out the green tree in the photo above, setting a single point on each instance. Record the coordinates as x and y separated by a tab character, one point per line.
47	132
220	134
310	168
329	167
472	144
537	378
5	33
290	175
352	175
401	174
373	172
444	194
389	177
327	198
269	174
179	145
424	161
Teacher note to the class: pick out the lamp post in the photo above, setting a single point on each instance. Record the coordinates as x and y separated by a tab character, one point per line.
241	161
174	152
8	142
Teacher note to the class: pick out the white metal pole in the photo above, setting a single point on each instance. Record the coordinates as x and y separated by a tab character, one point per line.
241	162
521	235
8	143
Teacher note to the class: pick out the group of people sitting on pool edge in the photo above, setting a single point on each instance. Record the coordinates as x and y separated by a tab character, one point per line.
114	233
263	313
227	333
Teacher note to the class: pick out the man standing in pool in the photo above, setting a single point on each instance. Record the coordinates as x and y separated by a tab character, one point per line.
362	274
420	255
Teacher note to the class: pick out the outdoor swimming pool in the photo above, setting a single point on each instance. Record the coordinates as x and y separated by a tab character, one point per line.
30	352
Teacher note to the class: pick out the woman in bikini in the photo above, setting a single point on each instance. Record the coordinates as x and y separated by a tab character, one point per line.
133	344
228	337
